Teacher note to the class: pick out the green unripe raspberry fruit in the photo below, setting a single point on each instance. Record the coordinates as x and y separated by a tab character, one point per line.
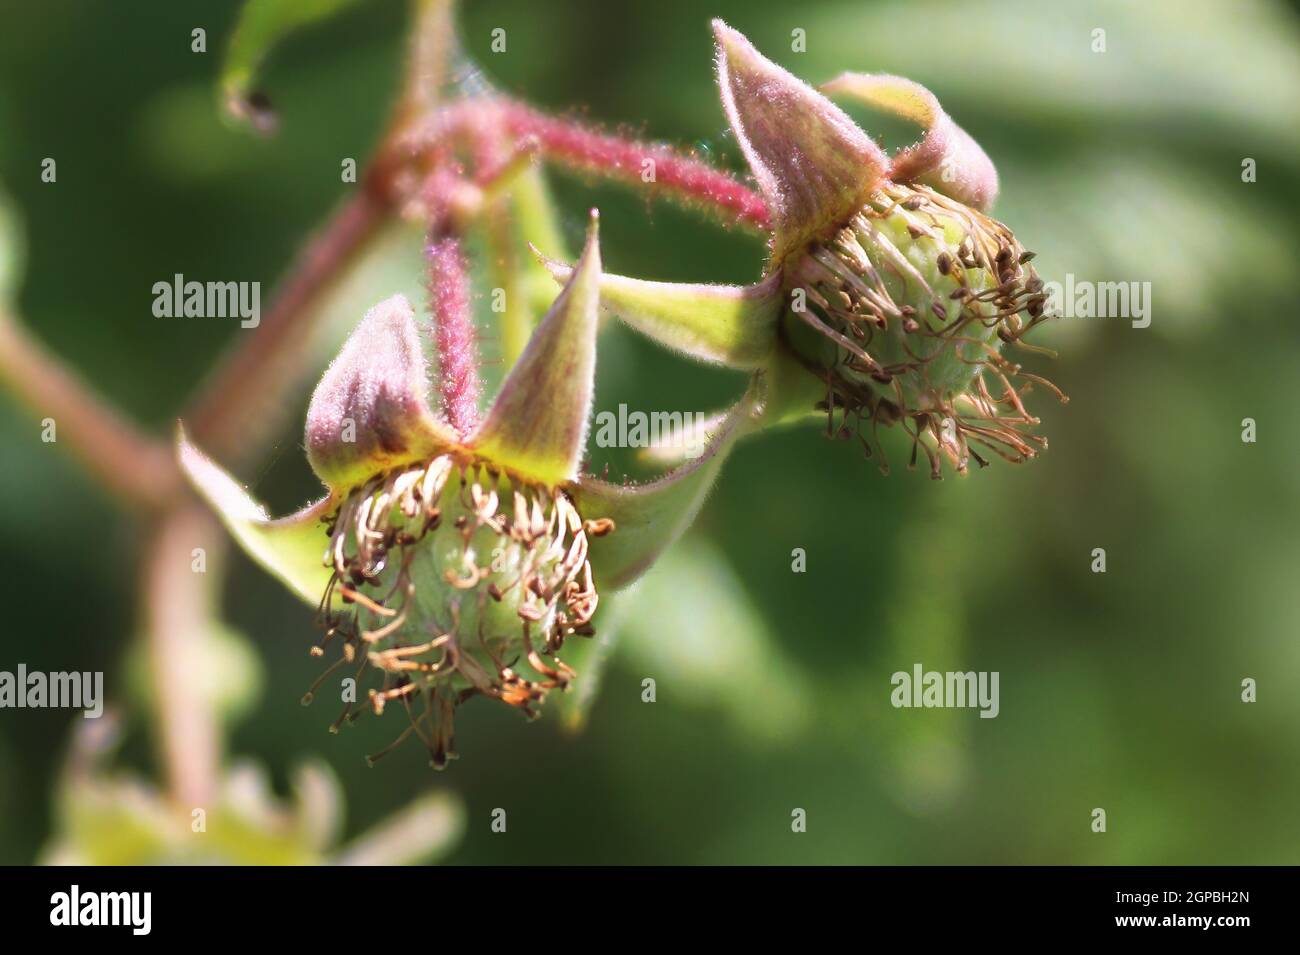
457	581
908	305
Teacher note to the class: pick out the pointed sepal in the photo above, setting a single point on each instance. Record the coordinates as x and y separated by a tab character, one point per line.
648	518
732	325
814	166
537	426
370	411
946	158
292	549
671	450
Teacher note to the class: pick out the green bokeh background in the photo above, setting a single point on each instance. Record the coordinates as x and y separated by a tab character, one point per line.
1118	690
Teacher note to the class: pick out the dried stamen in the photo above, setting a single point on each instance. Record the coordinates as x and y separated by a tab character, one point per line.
448	609
917	333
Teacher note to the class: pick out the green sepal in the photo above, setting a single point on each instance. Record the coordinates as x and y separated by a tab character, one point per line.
733	325
291	549
537	425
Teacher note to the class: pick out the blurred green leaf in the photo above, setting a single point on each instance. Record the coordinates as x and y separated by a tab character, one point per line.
1209	69
261	25
1138	217
692	628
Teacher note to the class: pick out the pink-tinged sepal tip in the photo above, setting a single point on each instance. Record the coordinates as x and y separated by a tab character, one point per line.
814	167
370	411
946	158
537	426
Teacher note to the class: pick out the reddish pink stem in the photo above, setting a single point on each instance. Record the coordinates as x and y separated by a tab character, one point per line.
680	176
572	144
453	322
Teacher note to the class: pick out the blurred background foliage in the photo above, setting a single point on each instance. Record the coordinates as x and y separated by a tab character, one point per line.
1119	690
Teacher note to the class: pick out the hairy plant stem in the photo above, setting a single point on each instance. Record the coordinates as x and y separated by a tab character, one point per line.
454	334
653	166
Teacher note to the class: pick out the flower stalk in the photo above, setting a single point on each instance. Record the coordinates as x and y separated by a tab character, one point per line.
654	167
453	320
